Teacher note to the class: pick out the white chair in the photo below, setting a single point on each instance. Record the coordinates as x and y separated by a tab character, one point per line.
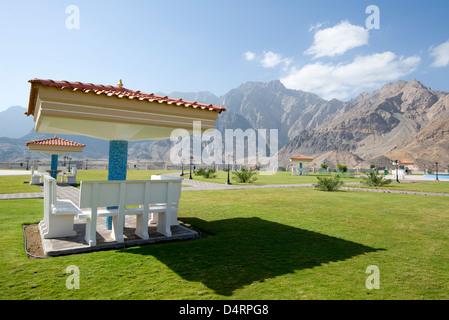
58	214
62	172
36	176
71	176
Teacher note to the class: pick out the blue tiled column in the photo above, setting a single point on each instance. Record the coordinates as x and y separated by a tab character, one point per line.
118	160
54	165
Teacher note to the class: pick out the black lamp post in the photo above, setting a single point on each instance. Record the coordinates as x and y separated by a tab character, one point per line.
436	164
191	168
229	181
28	161
182	167
69	162
65	157
86	164
397	170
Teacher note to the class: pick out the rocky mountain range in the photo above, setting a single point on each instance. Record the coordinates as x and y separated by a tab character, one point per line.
401	120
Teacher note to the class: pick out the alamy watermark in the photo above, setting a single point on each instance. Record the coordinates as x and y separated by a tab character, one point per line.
373	21
73	20
373	280
249	147
73	280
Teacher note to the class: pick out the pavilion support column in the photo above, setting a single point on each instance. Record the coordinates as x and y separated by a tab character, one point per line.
54	165
118	160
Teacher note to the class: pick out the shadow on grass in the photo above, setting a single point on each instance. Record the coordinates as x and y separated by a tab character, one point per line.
247	250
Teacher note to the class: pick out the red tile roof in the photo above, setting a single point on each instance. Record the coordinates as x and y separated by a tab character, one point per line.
110	91
55	142
301	157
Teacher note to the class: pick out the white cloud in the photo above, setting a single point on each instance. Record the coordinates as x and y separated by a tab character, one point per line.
440	54
337	40
271	59
249	55
342	81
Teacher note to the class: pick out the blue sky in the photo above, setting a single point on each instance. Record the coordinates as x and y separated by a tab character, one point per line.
197	45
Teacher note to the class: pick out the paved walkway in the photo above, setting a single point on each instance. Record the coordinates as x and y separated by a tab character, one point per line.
195	185
14	172
10	196
65	191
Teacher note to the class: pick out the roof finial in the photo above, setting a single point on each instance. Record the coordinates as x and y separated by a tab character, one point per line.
120	84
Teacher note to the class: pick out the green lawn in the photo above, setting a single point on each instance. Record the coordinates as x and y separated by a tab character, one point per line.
287	243
15	184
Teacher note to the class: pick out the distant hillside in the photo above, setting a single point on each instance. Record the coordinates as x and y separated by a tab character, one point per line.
13	122
431	143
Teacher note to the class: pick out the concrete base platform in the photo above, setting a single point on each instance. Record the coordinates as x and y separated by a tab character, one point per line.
76	244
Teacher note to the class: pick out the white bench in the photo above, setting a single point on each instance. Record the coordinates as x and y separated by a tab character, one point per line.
37	175
58	214
70	176
152	196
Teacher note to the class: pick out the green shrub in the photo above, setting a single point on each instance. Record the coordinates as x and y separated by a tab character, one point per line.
374	180
208	174
328	183
244	176
200	172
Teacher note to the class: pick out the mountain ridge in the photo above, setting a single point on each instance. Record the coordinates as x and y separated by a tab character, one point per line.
372	125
